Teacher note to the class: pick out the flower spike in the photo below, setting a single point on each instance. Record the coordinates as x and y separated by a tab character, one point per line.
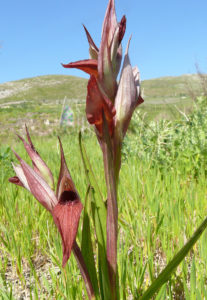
65	206
66	213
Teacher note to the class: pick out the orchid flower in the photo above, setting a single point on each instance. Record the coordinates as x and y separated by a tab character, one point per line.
103	66
116	100
109	107
65	206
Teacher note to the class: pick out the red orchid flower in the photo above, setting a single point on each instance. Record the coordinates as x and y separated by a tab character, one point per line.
103	65
65	206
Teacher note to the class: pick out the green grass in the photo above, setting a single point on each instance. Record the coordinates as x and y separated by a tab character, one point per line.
162	193
49	87
162	200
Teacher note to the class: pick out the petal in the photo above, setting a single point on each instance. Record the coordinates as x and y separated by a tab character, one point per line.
96	104
110	22
116	48
122	28
93	50
88	65
67	212
136	74
66	215
20	179
126	98
65	181
140	100
16	181
39	165
107	77
37	186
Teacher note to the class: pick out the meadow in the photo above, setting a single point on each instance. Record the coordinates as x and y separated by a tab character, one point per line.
162	200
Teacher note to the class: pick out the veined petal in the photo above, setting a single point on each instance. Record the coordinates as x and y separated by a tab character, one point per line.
88	65
116	48
16	181
137	83
136	74
116	52
126	98
67	212
96	104
122	28
93	50
39	165
107	77
20	179
37	186
110	21
66	215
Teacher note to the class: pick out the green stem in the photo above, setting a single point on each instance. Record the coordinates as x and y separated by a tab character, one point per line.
112	209
83	269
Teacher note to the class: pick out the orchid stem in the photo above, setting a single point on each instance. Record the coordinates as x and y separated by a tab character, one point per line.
112	209
83	269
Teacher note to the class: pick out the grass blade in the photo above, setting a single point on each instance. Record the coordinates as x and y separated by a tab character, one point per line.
87	246
99	218
169	269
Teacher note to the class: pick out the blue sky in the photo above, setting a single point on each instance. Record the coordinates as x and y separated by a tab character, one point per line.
168	37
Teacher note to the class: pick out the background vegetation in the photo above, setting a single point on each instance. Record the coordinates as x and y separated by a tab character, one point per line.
162	191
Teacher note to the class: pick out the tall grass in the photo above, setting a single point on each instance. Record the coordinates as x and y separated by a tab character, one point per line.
162	199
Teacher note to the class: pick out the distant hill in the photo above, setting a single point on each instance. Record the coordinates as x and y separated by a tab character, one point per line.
39	102
56	87
49	87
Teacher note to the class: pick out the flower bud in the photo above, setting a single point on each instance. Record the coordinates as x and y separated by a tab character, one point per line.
128	96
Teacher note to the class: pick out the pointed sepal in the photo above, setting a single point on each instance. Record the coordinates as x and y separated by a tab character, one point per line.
89	66
36	185
93	49
39	165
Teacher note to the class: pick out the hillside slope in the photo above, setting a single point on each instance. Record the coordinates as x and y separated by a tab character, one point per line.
54	87
39	101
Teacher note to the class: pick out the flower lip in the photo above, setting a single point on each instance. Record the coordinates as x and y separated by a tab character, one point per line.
68	197
16	180
87	65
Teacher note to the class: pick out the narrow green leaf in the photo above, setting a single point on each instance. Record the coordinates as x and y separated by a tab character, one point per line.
193	279
99	219
87	246
198	295
102	258
187	295
162	293
142	276
172	265
89	170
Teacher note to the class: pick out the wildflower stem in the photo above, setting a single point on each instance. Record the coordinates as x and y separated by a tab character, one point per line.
112	209
84	272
